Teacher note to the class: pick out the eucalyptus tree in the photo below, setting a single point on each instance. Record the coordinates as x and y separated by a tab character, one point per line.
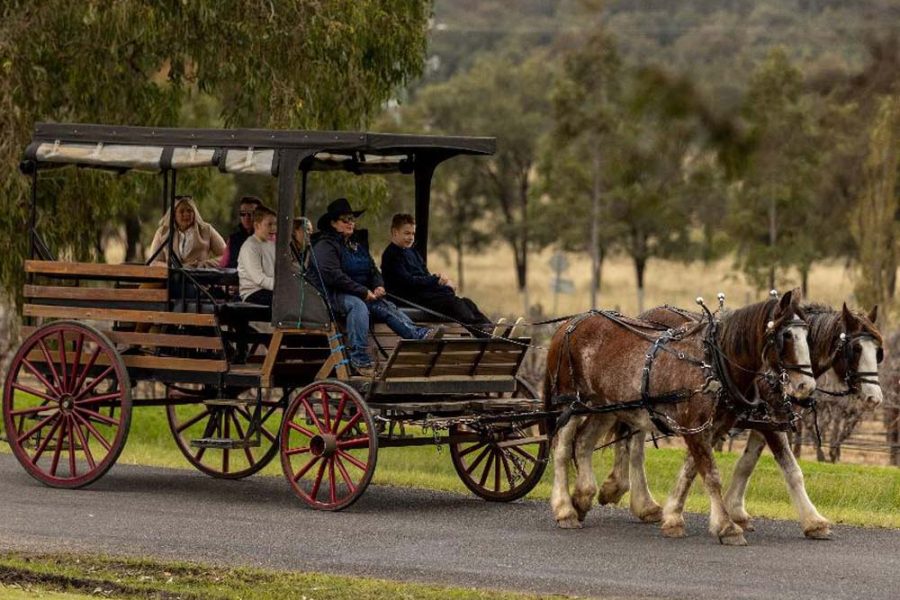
298	63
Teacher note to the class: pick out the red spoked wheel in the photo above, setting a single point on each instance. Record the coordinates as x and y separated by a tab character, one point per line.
67	404
329	445
507	460
226	437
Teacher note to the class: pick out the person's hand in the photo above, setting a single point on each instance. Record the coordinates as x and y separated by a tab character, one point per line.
441	279
370	296
379	292
449	283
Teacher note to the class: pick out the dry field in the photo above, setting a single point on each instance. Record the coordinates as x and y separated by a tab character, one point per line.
490	280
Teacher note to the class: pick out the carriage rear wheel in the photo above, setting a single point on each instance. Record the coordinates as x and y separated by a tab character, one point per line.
329	445
225	437
67	404
507	460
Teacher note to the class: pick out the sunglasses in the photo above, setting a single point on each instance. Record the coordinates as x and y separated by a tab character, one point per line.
347	219
246	214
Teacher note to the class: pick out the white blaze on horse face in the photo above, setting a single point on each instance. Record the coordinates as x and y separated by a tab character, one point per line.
800	385
868	363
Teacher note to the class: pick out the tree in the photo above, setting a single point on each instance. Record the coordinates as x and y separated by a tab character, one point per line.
504	95
776	191
299	63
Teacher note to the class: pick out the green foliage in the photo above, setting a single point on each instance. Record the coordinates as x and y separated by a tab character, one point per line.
301	64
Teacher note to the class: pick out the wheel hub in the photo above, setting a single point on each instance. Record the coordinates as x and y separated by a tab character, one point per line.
324	444
66	403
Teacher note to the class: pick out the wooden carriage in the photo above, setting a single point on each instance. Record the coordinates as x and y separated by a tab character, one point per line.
96	335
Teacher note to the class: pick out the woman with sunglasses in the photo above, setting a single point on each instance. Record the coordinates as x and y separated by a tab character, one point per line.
354	285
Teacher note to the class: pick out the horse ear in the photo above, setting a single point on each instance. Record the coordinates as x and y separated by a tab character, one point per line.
848	318
785	303
873	314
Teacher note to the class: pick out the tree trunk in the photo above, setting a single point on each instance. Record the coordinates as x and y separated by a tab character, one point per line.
459	263
132	237
640	265
595	232
773	237
804	281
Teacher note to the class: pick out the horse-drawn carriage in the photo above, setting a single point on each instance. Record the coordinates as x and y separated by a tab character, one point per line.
74	382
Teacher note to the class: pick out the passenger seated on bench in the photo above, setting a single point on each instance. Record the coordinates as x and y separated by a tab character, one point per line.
354	286
256	262
196	242
407	277
300	243
244	230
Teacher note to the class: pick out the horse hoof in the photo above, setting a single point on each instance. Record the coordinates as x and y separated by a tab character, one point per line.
569	523
654	515
746	525
733	540
819	531
610	493
673	531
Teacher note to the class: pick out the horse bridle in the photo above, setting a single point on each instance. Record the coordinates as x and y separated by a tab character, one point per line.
775	338
854	378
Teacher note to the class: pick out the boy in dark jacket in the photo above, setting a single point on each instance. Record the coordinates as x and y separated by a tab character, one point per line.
354	286
407	277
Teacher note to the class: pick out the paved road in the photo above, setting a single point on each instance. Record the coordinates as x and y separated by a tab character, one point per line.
435	537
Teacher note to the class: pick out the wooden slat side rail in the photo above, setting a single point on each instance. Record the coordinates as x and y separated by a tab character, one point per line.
131	316
159	340
447	370
95	293
95	270
147	362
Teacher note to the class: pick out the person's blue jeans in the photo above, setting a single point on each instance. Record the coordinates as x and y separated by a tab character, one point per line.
357	313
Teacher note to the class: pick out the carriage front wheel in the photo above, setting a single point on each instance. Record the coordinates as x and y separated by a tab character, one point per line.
507	459
67	404
329	445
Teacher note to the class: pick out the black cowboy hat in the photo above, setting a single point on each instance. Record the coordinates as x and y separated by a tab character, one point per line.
335	210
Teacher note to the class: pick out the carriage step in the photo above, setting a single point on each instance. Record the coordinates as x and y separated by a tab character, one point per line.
224	443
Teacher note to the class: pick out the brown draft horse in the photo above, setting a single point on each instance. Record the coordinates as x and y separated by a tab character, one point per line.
602	363
845	350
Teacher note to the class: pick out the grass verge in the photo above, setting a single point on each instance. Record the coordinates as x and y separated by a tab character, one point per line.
851	494
73	577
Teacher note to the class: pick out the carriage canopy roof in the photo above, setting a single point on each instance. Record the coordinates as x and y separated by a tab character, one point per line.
252	151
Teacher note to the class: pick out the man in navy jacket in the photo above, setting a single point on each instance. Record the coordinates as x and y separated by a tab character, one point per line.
407	277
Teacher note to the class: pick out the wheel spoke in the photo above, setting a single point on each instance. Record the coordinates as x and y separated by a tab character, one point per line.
472	448
84	445
31	410
56	451
312	414
301	429
98	417
339	414
487	469
41	378
226	434
299	474
326	410
332	484
345	474
353	421
47	438
523	454
240	431
266	433
33	392
100	398
93	431
192	421
315	490
478	460
34	429
294	451
64	376
353	460
507	470
357	442
94	383
50	364
71	436
87	368
76	361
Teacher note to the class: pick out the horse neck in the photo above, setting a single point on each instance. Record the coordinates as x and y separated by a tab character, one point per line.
741	343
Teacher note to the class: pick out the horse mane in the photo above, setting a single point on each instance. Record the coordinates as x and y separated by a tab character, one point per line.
825	325
738	336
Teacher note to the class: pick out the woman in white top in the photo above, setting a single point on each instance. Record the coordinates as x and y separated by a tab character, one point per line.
196	243
256	262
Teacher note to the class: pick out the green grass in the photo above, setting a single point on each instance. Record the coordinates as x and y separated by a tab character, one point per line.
65	577
852	494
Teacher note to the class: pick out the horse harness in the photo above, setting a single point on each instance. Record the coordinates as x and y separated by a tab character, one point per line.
854	378
647	401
